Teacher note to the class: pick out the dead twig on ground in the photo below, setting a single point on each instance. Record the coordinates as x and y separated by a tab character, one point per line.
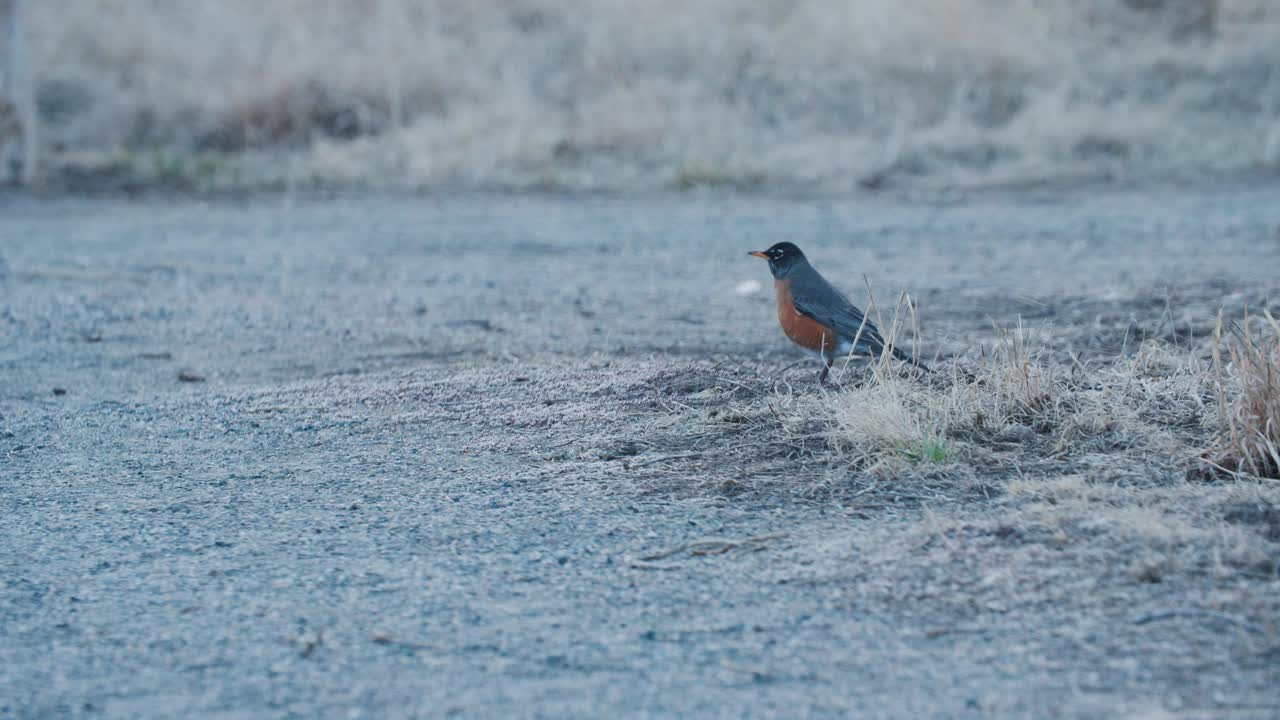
662	458
755	673
1200	613
384	639
642	565
714	546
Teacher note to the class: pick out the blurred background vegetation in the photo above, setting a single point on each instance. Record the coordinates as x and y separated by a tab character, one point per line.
824	95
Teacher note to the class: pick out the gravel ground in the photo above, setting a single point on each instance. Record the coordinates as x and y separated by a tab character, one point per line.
306	458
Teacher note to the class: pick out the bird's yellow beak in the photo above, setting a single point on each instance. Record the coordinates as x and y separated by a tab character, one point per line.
758	254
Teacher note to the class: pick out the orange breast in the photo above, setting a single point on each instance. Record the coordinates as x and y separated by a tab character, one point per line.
802	329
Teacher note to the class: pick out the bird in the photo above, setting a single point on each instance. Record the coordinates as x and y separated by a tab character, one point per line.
817	316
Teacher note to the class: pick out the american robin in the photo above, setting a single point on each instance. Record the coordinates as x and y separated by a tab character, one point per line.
818	317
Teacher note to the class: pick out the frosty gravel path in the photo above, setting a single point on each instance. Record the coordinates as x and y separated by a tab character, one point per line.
301	460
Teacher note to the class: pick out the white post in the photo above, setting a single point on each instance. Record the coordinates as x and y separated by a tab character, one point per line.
20	88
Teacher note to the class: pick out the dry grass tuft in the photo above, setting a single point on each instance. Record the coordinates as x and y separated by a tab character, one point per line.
1013	409
1023	383
612	94
888	422
1248	394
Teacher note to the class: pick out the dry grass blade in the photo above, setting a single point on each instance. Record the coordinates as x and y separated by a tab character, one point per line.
886	362
1248	397
1018	374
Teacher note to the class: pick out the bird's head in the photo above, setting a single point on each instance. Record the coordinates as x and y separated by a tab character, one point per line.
782	258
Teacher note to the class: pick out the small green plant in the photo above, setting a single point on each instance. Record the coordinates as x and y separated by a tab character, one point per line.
930	450
696	176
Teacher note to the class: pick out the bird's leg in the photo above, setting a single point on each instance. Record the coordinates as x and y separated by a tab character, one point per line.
826	368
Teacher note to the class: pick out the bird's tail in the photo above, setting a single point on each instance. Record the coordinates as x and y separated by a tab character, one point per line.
906	357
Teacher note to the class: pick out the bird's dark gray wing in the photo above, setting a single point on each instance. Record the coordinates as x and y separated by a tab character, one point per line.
816	298
819	300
